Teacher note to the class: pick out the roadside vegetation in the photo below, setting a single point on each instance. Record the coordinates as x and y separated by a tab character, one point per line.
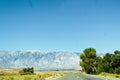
93	64
25	71
30	74
110	74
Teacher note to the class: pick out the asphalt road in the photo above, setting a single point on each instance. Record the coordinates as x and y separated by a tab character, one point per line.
78	76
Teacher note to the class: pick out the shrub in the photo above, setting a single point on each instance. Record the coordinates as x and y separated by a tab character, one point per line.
25	71
117	70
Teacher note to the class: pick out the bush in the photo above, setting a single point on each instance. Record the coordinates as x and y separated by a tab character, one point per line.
25	71
117	70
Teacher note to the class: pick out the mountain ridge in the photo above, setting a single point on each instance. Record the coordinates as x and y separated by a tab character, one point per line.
39	60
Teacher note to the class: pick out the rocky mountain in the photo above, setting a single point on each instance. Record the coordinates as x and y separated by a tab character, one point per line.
39	60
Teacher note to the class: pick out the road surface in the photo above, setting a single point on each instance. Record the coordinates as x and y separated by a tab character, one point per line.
78	76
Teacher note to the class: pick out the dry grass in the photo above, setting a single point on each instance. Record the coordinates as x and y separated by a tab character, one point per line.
110	74
9	71
13	74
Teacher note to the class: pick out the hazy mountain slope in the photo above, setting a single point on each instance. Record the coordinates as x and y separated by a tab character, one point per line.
39	60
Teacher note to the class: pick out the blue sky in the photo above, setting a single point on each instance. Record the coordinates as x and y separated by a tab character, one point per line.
60	25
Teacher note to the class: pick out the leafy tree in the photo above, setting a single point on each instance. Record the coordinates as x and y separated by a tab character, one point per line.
88	62
90	53
82	56
93	64
107	59
116	52
116	62
99	65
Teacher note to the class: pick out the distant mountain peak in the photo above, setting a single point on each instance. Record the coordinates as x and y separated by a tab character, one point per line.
33	51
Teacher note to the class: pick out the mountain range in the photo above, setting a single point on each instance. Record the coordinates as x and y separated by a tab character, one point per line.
39	60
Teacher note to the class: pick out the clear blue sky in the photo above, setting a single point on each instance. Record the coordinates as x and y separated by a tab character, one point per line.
60	25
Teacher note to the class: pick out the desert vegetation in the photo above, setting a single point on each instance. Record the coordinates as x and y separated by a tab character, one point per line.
29	74
25	71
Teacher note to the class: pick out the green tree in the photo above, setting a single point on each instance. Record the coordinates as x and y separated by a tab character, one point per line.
116	52
88	60
93	64
115	63
107	59
100	64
